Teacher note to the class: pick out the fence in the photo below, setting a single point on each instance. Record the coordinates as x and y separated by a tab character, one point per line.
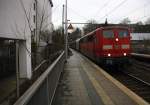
7	59
43	89
47	52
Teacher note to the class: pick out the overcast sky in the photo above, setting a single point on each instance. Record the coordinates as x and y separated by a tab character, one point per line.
99	10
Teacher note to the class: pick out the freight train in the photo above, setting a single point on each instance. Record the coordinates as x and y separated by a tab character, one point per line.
106	45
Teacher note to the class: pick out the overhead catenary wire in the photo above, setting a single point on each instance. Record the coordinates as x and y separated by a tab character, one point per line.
69	8
114	9
111	12
135	10
138	19
101	8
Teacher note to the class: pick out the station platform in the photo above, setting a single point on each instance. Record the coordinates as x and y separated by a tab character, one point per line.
84	83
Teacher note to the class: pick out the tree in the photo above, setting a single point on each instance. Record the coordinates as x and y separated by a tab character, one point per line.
75	35
41	21
90	27
39	25
57	40
147	21
45	36
57	37
139	23
125	21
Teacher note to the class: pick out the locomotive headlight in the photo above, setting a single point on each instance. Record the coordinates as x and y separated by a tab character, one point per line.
124	54
117	39
109	55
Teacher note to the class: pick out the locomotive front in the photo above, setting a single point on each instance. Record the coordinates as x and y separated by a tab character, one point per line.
115	45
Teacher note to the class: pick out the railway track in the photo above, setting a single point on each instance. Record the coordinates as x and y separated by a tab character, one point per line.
135	76
137	85
140	70
141	65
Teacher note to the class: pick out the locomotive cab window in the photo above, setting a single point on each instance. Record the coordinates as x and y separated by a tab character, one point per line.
123	33
108	34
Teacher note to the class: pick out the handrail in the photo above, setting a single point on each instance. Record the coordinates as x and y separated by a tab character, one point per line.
37	67
25	98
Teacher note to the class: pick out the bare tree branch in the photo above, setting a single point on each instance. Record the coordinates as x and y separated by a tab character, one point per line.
26	15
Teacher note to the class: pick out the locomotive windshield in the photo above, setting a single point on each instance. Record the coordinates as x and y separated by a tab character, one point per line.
108	34
122	33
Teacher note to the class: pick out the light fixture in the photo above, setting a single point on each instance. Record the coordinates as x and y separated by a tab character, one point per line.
109	54
117	39
124	54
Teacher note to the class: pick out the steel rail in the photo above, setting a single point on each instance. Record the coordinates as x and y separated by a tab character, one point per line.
138	79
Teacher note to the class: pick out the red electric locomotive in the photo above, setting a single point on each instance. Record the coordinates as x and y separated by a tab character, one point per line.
107	45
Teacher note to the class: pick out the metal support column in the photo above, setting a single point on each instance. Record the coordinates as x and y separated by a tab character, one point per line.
17	69
63	20
66	33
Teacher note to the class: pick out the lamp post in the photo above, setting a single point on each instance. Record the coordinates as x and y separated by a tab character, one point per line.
66	33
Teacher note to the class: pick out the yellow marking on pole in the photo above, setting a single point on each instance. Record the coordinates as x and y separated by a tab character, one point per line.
103	95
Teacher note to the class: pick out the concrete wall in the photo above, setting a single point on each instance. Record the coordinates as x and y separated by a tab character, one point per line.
13	22
17	22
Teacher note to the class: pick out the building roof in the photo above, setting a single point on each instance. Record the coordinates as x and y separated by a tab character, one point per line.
140	36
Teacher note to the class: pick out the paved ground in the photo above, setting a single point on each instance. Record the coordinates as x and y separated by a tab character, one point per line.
82	83
7	85
71	89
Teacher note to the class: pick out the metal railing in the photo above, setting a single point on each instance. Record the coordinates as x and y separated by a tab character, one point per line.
43	89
